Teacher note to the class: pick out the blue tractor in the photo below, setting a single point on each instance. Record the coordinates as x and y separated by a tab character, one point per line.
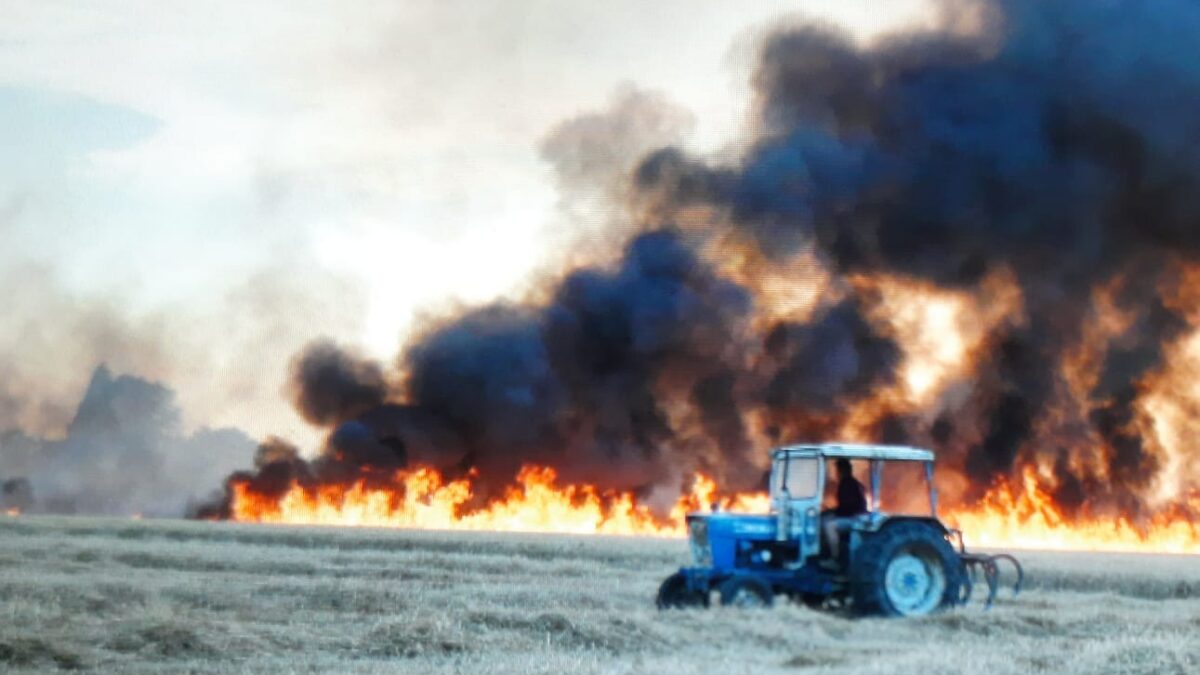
902	563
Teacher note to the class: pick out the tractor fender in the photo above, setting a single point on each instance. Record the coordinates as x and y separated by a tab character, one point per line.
880	522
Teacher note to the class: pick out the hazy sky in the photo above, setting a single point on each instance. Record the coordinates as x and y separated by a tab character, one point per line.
190	191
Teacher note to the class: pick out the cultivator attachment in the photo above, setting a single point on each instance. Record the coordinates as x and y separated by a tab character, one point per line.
976	565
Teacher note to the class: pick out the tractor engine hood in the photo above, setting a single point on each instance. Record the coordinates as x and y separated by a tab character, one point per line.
715	537
742	526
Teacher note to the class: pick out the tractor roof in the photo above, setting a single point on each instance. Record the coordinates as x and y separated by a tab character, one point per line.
856	451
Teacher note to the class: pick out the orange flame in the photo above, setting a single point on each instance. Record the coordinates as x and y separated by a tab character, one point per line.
1008	517
13	512
423	499
1028	518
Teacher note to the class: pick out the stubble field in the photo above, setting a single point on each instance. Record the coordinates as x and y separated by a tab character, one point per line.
173	596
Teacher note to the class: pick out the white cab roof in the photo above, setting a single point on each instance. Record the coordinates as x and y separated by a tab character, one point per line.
856	451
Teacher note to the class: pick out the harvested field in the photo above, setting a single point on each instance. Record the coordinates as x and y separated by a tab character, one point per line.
172	596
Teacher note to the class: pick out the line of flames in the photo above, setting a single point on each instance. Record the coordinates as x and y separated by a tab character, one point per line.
423	499
1024	517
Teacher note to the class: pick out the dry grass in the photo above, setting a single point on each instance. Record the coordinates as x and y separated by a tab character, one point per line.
202	597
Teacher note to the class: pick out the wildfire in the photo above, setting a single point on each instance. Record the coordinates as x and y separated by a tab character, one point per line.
423	499
13	512
1022	517
1026	517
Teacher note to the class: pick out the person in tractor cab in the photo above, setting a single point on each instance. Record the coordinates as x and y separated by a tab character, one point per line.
851	503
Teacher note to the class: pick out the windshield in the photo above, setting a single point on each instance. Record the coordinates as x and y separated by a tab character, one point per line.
802	477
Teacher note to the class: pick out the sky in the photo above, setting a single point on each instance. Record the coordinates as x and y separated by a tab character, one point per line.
192	191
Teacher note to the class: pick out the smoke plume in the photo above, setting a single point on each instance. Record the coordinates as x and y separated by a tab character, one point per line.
1054	141
1050	144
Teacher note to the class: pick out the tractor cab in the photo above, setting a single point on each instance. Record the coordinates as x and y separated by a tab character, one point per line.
898	480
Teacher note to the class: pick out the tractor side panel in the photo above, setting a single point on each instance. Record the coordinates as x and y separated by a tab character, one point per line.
729	535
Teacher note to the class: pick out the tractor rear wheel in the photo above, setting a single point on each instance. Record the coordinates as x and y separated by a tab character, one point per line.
906	569
674	593
746	592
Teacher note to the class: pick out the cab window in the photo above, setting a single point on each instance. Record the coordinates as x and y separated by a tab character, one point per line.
862	473
904	488
802	475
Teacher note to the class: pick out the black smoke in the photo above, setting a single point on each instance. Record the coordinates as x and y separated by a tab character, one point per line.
834	356
625	377
1056	141
1051	143
579	383
332	385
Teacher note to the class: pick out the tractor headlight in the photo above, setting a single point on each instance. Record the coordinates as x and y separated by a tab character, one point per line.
698	538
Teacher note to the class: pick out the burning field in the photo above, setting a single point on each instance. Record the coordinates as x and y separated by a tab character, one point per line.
981	237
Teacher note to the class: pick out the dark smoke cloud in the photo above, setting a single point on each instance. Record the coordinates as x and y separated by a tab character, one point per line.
580	382
820	367
939	156
275	450
124	453
623	377
1054	140
836	355
277	467
331	385
1053	143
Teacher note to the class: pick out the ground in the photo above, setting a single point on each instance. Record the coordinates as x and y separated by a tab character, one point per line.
175	596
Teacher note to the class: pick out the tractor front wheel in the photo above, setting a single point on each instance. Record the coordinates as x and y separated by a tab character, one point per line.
674	593
746	592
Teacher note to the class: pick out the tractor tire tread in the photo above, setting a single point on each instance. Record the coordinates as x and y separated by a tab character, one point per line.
867	569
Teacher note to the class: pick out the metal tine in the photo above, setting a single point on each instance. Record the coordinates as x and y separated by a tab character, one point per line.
1017	566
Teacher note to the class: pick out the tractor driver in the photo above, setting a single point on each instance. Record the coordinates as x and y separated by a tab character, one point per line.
851	503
